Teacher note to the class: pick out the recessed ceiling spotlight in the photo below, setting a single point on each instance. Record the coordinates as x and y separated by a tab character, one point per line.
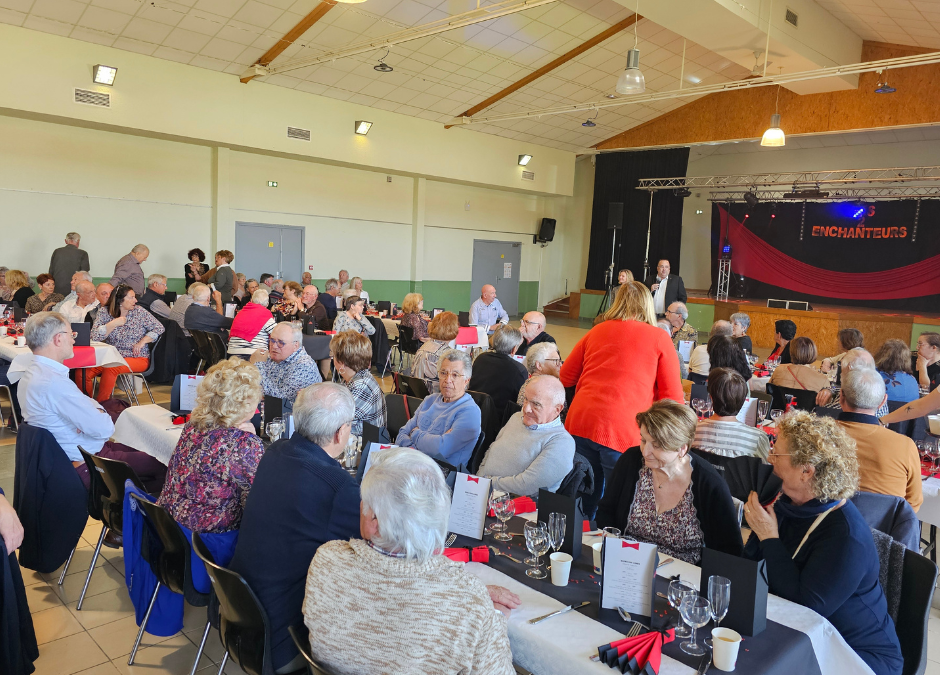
524	159
104	74
362	127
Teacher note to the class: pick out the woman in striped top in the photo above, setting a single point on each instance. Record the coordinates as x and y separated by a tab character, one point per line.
252	326
723	434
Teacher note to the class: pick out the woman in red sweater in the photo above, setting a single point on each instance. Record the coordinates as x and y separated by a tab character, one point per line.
618	369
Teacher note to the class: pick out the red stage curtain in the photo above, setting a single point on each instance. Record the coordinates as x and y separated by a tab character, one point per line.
754	258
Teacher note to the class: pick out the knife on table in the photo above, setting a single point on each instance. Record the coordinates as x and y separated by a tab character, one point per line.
539	619
704	665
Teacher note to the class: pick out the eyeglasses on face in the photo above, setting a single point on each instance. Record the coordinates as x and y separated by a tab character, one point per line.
73	333
449	374
558	361
530	323
280	344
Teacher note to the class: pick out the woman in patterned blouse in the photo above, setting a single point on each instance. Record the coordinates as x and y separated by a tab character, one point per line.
128	328
661	494
214	464
290	306
352	358
411	308
352	319
46	298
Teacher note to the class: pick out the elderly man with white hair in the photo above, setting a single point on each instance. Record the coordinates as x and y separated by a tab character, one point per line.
533	450
446	425
127	270
285	366
698	363
154	298
888	462
252	326
676	315
496	372
66	260
542	359
853	359
76	310
69	299
199	316
422	612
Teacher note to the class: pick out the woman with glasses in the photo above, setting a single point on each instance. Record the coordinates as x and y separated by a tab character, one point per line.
130	329
352	319
818	548
542	359
446	425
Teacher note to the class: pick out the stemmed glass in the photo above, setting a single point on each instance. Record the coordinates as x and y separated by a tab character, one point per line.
678	589
537	541
275	428
776	415
557	524
763	407
495	496
719	598
505	508
351	453
708	408
695	611
697	405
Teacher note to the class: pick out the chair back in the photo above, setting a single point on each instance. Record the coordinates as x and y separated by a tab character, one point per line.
489	424
153	355
243	624
511	409
918	581
407	341
398	413
203	347
166	548
301	637
415	386
915	429
383	305
463	319
106	489
479	452
805	399
698	391
218	346
580	480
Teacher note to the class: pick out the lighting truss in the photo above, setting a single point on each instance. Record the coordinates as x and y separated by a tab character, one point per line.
871	193
803	178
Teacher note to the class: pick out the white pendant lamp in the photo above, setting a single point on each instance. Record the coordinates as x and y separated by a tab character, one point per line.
774	136
631	80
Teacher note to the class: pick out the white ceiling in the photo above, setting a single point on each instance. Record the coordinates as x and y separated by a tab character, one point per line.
440	77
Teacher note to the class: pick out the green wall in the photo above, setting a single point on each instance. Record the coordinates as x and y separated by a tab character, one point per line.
701	316
177	284
589	305
453	296
919	328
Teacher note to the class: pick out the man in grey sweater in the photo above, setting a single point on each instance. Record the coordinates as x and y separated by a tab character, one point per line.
533	450
128	271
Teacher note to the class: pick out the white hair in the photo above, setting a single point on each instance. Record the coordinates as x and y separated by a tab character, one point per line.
84	276
41	327
720	327
74	237
156	277
538	353
681	309
553	383
457	355
199	291
742	320
260	297
321	409
863	388
296	331
406	492
140	248
857	359
666	326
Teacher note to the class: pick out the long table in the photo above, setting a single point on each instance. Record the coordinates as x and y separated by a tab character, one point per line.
797	639
149	429
20	357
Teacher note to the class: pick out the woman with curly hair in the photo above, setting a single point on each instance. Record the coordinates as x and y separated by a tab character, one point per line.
196	268
819	550
214	464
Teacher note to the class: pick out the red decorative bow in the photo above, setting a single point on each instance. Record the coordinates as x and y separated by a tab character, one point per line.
475	479
627	544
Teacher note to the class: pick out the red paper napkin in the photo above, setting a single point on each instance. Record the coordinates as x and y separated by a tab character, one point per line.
479	554
180	419
84	357
523	505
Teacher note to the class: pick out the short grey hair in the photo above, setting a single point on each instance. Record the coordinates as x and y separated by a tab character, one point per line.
321	409
331	284
200	291
42	326
681	309
539	353
455	355
864	388
506	338
406	492
666	326
720	327
156	277
856	359
74	237
140	248
87	285
85	276
296	331
260	297
557	389
742	320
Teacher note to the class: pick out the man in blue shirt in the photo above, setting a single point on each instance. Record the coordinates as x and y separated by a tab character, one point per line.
487	311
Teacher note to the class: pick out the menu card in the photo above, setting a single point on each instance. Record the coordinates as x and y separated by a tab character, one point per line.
375	449
469	505
685	349
629	568
188	386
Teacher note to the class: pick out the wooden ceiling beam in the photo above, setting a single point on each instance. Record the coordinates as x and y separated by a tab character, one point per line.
549	67
292	35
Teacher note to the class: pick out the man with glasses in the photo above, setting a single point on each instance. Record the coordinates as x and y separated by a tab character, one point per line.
285	366
533	332
533	451
154	298
676	315
666	288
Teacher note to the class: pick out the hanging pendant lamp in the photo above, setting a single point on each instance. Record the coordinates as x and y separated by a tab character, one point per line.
631	80
774	136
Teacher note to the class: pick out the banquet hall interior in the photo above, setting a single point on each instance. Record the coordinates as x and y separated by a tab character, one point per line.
782	159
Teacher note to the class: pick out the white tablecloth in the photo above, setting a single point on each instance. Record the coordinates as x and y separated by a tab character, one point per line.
758	384
929	511
391	327
150	429
21	357
564	644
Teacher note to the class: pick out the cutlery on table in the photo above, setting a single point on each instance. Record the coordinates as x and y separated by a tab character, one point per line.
450	540
665	561
496	551
539	619
705	664
634	631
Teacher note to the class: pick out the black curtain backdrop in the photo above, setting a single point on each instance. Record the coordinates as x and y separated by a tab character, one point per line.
826	244
615	179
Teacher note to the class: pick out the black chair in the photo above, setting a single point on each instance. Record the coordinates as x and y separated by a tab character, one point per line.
699	391
463	319
383	305
489	423
203	349
698	379
918	582
415	386
407	344
805	400
147	373
511	409
915	429
105	503
219	348
479	452
243	623
398	413
164	546
301	637
826	411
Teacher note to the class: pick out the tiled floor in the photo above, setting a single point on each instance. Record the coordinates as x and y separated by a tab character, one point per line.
98	639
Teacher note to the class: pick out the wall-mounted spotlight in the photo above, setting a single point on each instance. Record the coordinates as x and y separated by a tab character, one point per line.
104	74
362	127
524	159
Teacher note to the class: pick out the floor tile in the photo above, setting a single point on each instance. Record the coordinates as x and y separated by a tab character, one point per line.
116	639
55	623
105	578
173	657
69	655
103	608
42	596
79	565
102	669
213	649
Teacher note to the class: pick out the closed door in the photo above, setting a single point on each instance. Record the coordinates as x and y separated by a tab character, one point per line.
269	249
497	263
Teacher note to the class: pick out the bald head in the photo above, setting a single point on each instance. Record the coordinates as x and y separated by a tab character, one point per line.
721	328
857	358
544	400
103	293
533	324
488	293
286	338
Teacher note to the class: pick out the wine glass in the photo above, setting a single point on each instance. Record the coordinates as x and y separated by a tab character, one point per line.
719	598
709	407
677	590
763	407
505	509
537	541
776	415
351	453
695	612
275	428
495	496
697	405
557	524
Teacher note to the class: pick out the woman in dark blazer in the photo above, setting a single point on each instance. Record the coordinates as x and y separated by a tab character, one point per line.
224	280
661	494
195	269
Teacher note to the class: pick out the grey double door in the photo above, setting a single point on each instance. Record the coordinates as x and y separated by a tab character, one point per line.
270	249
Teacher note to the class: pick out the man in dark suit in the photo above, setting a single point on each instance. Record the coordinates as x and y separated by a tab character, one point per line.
666	288
66	261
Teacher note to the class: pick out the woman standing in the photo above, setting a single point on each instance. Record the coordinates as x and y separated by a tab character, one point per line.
18	281
618	369
224	280
194	270
352	359
46	298
352	319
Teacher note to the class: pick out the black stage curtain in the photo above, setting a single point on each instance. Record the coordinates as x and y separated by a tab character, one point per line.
615	180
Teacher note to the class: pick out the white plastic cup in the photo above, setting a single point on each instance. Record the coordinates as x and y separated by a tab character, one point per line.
597	556
561	568
21	341
725	645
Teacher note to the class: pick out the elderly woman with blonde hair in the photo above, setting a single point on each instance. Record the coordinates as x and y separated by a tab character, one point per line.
442	331
661	494
214	464
818	547
20	290
411	308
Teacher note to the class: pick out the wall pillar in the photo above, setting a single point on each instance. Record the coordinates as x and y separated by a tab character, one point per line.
223	227
419	203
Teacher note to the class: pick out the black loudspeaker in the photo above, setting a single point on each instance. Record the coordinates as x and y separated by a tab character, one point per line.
546	231
615	216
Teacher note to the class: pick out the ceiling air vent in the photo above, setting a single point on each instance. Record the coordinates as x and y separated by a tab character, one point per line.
792	18
298	133
95	98
528	175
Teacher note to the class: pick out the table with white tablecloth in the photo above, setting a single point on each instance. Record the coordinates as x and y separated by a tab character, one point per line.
391	327
149	429
20	357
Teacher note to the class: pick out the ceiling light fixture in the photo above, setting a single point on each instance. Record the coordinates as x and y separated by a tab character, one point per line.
751	199
104	74
590	122
631	80
383	67
362	127
524	160
774	136
884	87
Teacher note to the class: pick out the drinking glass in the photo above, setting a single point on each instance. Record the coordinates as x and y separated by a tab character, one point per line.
697	405
719	598
610	532
495	496
695	612
763	407
505	509
776	415
709	407
677	590
275	428
557	523
537	541
351	453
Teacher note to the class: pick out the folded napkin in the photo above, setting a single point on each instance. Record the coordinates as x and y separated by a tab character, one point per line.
480	554
523	505
180	419
637	655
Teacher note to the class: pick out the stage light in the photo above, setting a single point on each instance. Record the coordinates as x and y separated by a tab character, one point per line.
524	160
362	127
682	192
884	87
588	123
751	199
104	74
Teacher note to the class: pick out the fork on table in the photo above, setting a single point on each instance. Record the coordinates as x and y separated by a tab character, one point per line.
450	540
